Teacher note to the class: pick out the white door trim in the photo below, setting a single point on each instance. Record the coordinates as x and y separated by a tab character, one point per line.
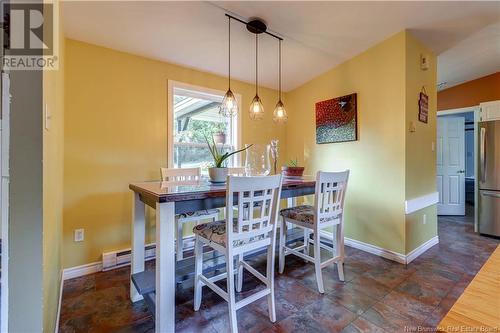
4	200
476	109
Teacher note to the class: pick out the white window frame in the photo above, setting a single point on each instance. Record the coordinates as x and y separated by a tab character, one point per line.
236	125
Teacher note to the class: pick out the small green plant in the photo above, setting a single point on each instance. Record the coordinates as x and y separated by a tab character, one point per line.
218	155
293	163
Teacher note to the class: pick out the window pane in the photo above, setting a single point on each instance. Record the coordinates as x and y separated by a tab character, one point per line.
196	117
191	157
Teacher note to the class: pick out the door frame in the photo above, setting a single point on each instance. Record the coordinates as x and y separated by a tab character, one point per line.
476	109
4	197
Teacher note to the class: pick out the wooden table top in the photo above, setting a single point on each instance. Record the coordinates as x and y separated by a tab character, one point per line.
159	191
478	308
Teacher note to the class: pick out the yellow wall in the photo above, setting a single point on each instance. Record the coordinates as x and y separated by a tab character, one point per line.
375	198
420	158
116	133
53	159
388	165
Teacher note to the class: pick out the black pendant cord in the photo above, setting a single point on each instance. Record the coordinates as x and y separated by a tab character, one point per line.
256	64
279	70
229	51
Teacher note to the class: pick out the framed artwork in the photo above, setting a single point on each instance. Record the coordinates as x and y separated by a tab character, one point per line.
336	120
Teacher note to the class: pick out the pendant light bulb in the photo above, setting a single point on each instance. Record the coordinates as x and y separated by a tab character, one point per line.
279	114
256	108
229	105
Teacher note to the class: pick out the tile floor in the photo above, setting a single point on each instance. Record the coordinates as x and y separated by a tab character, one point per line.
378	296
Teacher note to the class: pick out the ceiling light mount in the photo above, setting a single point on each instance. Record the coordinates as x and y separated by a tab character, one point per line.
256	26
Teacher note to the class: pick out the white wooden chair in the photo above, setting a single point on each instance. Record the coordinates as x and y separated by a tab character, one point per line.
328	211
236	236
237	171
188	176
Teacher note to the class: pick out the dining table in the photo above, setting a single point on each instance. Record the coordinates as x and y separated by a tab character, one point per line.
169	199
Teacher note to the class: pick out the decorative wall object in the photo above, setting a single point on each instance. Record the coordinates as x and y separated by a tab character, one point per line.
423	106
336	120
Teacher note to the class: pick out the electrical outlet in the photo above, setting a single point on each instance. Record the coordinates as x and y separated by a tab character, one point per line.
79	235
424	219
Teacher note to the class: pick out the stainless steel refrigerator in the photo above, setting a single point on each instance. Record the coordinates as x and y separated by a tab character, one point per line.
489	178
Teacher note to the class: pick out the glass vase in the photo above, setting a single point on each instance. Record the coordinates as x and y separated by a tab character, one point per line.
257	161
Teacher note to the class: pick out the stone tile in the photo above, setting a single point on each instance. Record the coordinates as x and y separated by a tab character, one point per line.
428	292
353	300
369	287
388	318
362	325
408	305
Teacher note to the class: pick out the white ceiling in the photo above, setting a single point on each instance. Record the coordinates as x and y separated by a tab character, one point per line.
318	35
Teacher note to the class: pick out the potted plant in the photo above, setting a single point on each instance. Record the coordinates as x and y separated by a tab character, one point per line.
218	173
292	169
219	134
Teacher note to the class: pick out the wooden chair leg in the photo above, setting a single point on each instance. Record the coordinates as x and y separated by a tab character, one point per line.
281	261
270	283
178	240
317	262
231	293
239	283
198	270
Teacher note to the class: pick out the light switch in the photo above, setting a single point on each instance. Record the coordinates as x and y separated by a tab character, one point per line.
79	235
48	117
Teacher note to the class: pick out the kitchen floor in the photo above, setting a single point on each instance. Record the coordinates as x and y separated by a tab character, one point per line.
378	295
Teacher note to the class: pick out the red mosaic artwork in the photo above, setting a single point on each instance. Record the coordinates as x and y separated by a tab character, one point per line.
336	119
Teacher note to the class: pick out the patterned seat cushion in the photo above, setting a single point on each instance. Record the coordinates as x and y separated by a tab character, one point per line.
304	213
200	213
216	232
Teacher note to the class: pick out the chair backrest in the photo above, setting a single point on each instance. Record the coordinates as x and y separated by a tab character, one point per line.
180	175
237	171
258	201
329	195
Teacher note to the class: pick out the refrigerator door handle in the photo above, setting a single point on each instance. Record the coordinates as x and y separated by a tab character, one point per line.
490	194
482	152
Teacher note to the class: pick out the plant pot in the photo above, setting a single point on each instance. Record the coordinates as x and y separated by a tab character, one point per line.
292	171
218	175
220	137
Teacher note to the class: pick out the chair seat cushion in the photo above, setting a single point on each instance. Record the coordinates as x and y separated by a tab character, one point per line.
200	213
215	232
304	214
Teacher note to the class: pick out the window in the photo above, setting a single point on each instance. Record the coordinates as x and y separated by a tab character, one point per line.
196	116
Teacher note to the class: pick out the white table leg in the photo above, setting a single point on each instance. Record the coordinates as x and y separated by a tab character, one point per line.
165	267
138	243
291	202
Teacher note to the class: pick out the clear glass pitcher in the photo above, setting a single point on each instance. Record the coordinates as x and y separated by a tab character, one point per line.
257	161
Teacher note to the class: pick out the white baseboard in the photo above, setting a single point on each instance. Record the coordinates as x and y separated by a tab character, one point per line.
421	202
73	272
385	253
59	302
421	249
376	250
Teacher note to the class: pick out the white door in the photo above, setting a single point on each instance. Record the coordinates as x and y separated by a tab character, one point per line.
450	173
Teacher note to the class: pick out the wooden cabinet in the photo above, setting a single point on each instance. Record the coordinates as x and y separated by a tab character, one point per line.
489	111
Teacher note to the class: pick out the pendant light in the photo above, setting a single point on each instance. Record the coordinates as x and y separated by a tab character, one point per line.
256	107
229	105
279	114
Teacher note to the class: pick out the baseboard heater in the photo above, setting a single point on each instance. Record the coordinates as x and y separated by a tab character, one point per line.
121	258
